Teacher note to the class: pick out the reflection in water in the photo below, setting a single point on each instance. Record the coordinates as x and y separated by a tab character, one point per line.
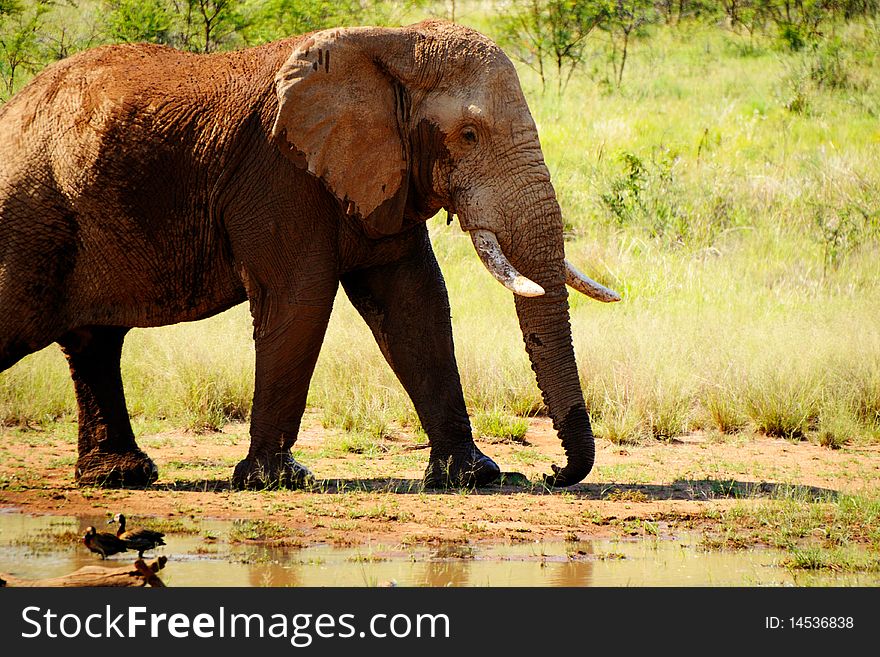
578	570
50	546
268	571
448	566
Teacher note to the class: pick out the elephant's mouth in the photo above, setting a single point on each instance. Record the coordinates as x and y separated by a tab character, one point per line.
492	256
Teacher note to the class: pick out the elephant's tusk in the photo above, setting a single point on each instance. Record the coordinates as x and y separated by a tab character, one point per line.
499	266
587	286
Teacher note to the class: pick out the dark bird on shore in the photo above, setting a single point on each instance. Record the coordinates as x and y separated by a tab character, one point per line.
103	543
139	539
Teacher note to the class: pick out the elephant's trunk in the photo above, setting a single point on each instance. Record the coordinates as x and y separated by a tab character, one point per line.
531	257
547	334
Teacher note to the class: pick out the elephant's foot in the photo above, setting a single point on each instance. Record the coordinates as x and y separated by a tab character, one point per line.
281	471
470	470
115	469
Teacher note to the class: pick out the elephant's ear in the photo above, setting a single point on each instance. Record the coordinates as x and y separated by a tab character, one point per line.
342	116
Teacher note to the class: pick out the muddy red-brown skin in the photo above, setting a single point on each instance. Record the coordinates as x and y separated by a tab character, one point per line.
141	186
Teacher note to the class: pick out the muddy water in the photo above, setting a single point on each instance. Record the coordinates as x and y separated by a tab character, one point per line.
50	546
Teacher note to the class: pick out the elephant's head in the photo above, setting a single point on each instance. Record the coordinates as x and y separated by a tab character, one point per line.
402	122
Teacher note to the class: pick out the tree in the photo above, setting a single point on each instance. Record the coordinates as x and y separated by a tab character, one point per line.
218	19
281	18
73	26
555	31
747	14
524	36
622	19
8	7
570	22
133	21
19	40
205	25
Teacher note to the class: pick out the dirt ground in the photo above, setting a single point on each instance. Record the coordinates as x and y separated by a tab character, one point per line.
370	491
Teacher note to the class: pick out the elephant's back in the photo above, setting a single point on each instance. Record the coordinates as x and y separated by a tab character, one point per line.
63	122
66	92
71	109
104	154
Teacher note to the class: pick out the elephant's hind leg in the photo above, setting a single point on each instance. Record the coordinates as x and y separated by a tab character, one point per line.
108	454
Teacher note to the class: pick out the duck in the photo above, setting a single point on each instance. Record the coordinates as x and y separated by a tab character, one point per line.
139	539
103	543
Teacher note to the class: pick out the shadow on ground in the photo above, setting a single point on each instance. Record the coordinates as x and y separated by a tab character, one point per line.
514	483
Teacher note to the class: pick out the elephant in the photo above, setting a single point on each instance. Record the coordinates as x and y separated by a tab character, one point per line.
143	186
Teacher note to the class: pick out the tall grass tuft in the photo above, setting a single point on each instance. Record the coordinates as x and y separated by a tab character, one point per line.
836	426
724	410
497	426
864	384
782	405
37	390
197	375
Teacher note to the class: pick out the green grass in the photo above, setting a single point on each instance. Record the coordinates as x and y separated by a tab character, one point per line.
728	190
164	525
256	530
355	443
815	531
497	426
838	560
795	518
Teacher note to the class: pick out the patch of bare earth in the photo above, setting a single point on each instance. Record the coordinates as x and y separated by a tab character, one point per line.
376	495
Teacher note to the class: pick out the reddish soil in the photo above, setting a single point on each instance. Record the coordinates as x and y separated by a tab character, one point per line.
376	496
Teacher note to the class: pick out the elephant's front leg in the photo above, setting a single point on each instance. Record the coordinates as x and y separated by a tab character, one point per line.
288	339
406	306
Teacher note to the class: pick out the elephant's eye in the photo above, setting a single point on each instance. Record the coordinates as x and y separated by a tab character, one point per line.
469	135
